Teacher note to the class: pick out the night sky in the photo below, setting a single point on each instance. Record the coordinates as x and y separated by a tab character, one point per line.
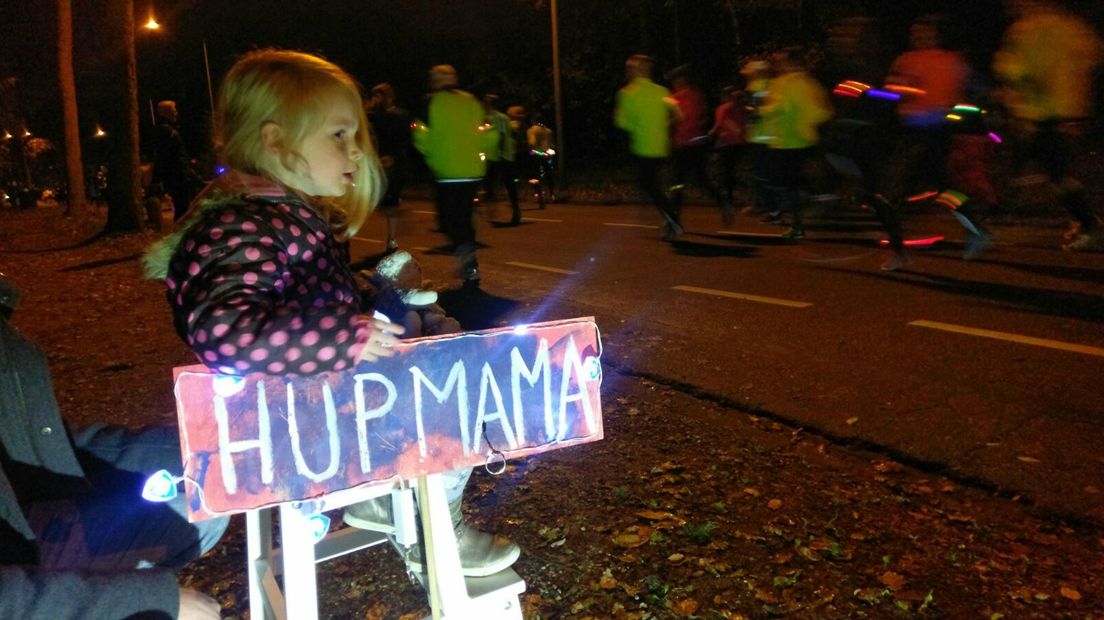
498	45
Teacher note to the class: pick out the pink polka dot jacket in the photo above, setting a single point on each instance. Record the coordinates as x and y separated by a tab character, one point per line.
258	283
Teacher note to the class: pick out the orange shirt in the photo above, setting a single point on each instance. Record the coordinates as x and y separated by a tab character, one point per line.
939	74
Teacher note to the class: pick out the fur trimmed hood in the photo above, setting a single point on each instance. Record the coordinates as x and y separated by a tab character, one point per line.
231	187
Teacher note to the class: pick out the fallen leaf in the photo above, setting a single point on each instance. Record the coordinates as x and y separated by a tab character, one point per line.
1028	459
655	515
808	554
869	595
1070	593
765	596
888	467
1020	594
774	504
633	536
676	558
750	491
607	582
892	580
851	421
685	607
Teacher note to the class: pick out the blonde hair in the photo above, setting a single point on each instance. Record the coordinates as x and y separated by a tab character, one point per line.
293	90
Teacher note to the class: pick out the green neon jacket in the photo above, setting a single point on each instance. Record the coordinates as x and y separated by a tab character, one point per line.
645	110
795	108
453	138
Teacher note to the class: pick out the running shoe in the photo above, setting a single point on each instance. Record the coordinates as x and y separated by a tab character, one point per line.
1086	242
1072	232
900	260
774	217
976	245
674	229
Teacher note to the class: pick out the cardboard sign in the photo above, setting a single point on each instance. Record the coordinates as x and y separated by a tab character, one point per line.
440	404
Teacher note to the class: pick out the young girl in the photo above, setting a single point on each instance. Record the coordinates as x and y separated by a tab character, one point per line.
257	270
257	273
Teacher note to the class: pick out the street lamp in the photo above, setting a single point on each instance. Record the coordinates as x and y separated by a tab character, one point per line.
152	25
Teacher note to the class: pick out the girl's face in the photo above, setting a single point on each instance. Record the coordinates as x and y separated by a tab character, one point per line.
331	152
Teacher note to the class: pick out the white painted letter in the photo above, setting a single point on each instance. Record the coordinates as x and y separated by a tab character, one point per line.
573	365
458	380
228	447
540	366
363	415
301	466
488	379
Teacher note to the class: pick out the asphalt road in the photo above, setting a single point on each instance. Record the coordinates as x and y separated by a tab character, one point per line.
989	371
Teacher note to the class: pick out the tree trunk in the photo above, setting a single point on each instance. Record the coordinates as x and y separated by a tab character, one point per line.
124	186
73	164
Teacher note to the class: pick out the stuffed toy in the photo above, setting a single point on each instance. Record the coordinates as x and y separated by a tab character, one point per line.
398	292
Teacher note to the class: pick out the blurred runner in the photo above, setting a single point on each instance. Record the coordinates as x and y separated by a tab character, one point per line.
500	154
1048	60
453	141
795	108
391	129
646	111
757	74
930	82
542	151
729	127
691	143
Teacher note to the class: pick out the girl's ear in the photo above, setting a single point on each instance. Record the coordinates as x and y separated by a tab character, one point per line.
271	137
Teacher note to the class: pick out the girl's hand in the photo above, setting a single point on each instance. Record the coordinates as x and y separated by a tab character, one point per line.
381	340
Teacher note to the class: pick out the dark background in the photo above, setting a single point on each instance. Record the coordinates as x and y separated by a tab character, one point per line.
501	46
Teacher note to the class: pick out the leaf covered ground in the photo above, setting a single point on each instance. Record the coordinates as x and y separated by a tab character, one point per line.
687	508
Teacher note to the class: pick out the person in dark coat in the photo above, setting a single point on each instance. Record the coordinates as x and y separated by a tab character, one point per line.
391	131
172	168
77	541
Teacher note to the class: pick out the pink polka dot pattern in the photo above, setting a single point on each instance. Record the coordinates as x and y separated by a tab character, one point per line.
259	284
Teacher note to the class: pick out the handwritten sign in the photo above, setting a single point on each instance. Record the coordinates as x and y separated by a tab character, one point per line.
440	404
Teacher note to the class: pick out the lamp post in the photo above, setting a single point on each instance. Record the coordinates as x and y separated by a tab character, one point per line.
151	24
207	72
557	95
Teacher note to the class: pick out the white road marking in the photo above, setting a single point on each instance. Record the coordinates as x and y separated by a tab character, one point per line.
542	268
988	333
736	233
744	296
622	225
419	248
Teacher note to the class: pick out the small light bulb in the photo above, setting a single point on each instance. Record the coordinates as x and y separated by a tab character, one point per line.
160	487
593	367
228	385
320	526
